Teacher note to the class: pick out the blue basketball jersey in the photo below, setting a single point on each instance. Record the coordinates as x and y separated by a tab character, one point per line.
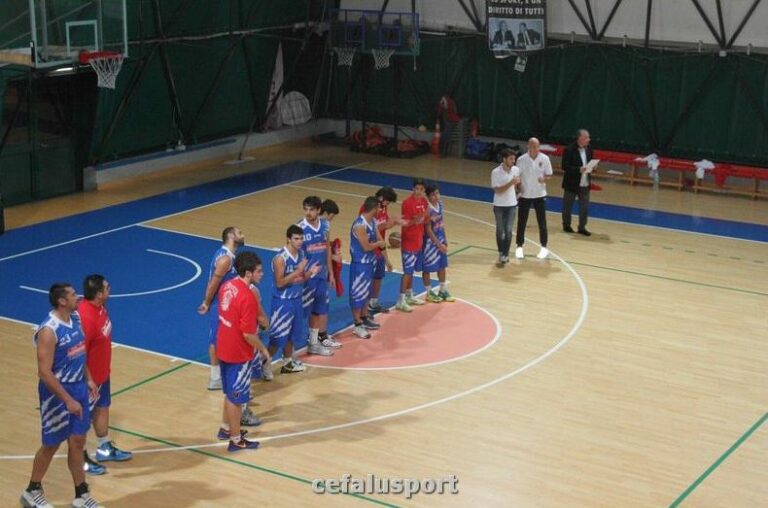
436	220
359	255
69	355
315	246
231	274
291	290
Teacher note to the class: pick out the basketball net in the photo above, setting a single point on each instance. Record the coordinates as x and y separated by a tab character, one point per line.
345	56
381	57
107	66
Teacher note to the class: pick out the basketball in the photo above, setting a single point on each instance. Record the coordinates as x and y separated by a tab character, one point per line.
422	128
394	240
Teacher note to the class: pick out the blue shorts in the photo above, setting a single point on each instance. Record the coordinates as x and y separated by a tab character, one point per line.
360	284
433	260
379	268
214	324
236	381
57	424
412	262
287	322
104	398
315	298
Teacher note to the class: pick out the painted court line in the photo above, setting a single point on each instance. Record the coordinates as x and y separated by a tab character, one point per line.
719	461
192	279
613	221
532	363
86	237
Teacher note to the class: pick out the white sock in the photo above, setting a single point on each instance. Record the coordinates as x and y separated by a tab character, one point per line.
442	287
225	426
373	302
409	293
215	372
401	299
313	333
103	440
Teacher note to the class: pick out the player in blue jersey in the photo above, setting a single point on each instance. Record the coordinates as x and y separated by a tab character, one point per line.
290	270
316	297
65	388
435	253
221	269
364	239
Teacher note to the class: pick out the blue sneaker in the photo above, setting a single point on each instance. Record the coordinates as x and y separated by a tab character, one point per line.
243	444
92	467
225	435
108	451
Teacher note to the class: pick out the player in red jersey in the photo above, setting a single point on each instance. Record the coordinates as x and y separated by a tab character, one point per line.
385	197
97	329
414	216
236	339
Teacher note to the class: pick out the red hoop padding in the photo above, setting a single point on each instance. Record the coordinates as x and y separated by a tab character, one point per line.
87	56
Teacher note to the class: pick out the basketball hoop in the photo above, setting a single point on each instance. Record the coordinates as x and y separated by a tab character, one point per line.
107	65
381	57
345	55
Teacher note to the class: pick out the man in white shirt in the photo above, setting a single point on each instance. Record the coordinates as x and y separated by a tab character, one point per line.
535	170
503	181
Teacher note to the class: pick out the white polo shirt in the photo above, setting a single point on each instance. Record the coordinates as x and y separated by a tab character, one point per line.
530	171
500	176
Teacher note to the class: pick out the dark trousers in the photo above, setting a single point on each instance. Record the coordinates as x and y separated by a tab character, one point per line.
446	129
505	216
540	205
568	199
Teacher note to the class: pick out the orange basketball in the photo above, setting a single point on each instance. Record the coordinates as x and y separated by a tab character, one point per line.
394	240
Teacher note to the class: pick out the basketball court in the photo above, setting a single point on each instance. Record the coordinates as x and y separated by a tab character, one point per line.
627	369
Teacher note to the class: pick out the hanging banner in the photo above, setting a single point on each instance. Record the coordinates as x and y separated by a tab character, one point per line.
516	26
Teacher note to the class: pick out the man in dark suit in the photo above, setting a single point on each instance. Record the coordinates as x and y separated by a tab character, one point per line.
576	181
503	38
527	37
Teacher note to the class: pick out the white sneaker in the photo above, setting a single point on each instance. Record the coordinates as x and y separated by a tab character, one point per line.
34	499
361	332
412	300
214	384
319	349
505	259
403	307
500	262
86	501
543	253
331	343
266	372
519	254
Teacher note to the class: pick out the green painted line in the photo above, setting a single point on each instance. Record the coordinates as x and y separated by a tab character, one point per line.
719	461
625	241
689	251
460	250
666	247
245	464
759	261
641	274
645	244
150	379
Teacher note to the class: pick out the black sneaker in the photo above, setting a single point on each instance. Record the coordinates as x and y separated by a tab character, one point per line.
377	309
568	229
370	324
92	467
584	232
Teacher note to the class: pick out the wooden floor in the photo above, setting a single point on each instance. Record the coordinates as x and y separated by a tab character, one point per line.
628	365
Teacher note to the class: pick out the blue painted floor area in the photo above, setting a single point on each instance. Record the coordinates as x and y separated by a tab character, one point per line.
731	229
48	233
162	318
164	321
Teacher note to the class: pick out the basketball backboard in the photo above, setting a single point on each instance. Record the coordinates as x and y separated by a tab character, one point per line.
51	33
369	30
